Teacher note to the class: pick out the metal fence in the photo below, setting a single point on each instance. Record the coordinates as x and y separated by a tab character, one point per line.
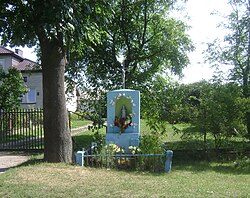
21	129
139	162
151	162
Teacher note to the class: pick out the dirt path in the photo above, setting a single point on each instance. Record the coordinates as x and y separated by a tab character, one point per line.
9	160
79	130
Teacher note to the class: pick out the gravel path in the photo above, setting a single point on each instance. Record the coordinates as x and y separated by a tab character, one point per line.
9	160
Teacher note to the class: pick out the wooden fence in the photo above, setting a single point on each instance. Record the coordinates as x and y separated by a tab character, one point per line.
21	129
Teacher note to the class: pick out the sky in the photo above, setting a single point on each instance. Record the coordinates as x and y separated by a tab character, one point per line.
203	30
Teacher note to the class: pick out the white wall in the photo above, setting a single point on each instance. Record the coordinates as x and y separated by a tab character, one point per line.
34	81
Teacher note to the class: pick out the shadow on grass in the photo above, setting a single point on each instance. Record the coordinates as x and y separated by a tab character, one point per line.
199	144
181	161
82	141
238	166
32	162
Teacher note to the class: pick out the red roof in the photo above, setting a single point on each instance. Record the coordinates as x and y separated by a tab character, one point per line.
27	64
24	63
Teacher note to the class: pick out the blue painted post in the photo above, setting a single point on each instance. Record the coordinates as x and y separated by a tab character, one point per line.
80	157
168	163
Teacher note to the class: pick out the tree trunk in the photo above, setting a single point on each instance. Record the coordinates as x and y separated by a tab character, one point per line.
248	124
57	137
246	79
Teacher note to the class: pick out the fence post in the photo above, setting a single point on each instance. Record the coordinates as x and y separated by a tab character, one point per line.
168	163
80	157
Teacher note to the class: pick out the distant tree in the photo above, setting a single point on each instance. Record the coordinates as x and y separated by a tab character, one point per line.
216	109
235	49
164	101
211	108
12	89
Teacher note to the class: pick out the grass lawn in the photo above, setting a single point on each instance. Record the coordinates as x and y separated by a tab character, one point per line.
187	179
173	140
79	123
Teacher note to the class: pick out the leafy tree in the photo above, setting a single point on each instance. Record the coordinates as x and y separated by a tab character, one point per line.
140	32
12	89
149	41
210	107
167	102
217	109
235	49
52	24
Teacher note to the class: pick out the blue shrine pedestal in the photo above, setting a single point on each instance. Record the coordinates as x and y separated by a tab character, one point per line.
123	140
123	118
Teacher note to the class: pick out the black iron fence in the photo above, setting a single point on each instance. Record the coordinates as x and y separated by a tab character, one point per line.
21	129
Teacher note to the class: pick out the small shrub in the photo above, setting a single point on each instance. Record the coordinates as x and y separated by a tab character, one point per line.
242	163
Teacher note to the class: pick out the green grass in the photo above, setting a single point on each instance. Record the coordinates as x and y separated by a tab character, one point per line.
79	123
172	139
187	179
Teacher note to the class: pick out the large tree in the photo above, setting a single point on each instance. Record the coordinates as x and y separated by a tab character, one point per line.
50	23
234	50
143	34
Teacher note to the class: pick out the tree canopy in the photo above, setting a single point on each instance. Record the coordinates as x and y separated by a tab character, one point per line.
100	31
235	49
138	36
51	24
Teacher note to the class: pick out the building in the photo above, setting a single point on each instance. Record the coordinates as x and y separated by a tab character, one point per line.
32	77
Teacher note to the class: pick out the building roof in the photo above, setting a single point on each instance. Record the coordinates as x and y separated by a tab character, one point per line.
4	50
27	64
24	63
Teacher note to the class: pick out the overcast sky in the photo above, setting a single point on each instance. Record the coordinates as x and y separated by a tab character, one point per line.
203	30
